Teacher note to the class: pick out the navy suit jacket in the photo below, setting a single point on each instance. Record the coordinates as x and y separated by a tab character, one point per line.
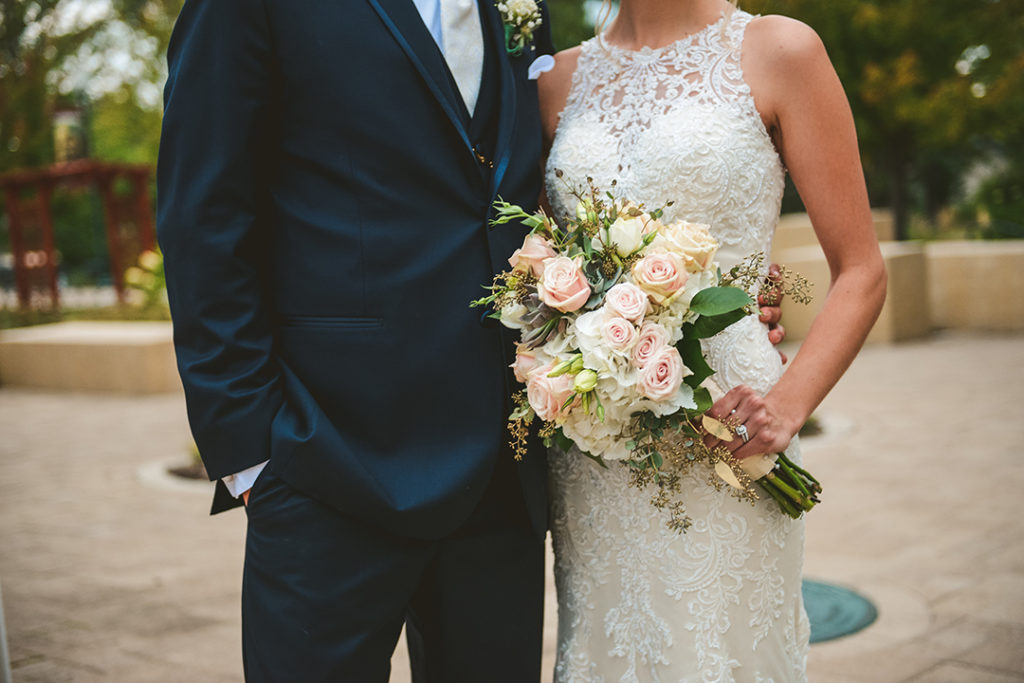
324	222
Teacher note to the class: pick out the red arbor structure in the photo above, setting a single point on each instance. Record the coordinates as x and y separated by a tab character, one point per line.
128	216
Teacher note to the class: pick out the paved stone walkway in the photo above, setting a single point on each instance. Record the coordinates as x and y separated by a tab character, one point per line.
110	573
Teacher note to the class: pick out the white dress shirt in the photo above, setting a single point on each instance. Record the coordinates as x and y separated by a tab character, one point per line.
455	26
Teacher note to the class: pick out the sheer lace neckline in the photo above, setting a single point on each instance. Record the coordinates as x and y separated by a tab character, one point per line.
647	50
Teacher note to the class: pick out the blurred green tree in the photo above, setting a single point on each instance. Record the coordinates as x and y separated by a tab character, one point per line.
104	57
569	25
933	86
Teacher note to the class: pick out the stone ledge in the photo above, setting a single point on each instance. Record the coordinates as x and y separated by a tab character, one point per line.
905	314
977	285
116	357
795	230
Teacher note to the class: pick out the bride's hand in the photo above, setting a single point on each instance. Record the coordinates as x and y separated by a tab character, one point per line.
769	300
768	430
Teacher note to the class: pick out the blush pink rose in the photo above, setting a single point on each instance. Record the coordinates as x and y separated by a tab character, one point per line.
660	275
547	394
563	286
526	362
618	332
532	254
627	300
651	339
662	376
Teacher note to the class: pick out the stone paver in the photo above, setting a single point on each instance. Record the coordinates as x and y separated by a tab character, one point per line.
111	574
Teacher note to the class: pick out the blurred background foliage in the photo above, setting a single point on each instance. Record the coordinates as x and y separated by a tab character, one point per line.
937	90
104	58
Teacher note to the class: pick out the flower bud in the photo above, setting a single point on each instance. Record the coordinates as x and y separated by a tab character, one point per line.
577	364
562	368
585	381
581	211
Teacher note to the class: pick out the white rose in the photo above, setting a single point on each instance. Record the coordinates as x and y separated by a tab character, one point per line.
627	234
512	316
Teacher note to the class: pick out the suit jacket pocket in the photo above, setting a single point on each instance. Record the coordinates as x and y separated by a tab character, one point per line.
331	322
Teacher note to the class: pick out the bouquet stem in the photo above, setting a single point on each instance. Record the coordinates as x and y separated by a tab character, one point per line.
792	487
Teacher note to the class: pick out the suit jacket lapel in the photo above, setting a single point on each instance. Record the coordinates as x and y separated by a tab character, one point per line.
404	22
507	101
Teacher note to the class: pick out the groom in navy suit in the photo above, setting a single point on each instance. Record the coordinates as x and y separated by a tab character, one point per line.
326	176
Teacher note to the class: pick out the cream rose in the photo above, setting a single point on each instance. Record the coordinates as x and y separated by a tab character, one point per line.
563	286
661	275
627	234
662	375
650	340
628	301
531	256
619	333
547	394
692	241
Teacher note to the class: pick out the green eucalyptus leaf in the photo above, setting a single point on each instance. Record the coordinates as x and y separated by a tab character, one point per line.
710	325
693	357
718	300
563	442
703	399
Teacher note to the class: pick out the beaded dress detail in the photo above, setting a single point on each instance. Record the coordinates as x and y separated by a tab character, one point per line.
637	601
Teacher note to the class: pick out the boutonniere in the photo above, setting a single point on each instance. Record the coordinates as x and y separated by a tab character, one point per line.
521	19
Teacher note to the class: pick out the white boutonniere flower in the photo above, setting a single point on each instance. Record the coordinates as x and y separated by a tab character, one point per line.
521	18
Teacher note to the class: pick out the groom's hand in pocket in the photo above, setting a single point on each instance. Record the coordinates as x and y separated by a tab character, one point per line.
769	300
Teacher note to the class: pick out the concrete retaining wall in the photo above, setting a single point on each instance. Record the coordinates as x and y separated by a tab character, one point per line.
905	314
977	285
120	357
966	285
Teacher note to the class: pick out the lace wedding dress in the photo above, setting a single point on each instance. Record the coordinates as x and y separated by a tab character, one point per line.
637	601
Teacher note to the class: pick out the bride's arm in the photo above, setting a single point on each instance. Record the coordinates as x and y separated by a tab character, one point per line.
552	91
804	107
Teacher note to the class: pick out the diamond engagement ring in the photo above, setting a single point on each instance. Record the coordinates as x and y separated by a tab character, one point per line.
741	431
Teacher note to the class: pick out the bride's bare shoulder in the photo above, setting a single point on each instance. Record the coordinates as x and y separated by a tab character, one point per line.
782	44
553	86
782	59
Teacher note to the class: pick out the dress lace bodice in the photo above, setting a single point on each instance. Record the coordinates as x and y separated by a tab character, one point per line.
638	602
677	123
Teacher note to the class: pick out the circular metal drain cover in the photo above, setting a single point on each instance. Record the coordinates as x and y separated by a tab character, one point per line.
835	611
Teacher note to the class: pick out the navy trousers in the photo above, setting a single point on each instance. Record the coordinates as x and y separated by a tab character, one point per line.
324	596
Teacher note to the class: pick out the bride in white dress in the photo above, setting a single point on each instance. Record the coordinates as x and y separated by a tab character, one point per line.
697	102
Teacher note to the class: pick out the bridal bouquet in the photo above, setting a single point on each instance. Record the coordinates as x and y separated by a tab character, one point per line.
611	308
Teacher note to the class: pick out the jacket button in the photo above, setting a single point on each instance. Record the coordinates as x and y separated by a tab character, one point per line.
484	161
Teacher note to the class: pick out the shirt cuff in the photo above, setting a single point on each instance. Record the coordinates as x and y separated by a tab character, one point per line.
240	482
